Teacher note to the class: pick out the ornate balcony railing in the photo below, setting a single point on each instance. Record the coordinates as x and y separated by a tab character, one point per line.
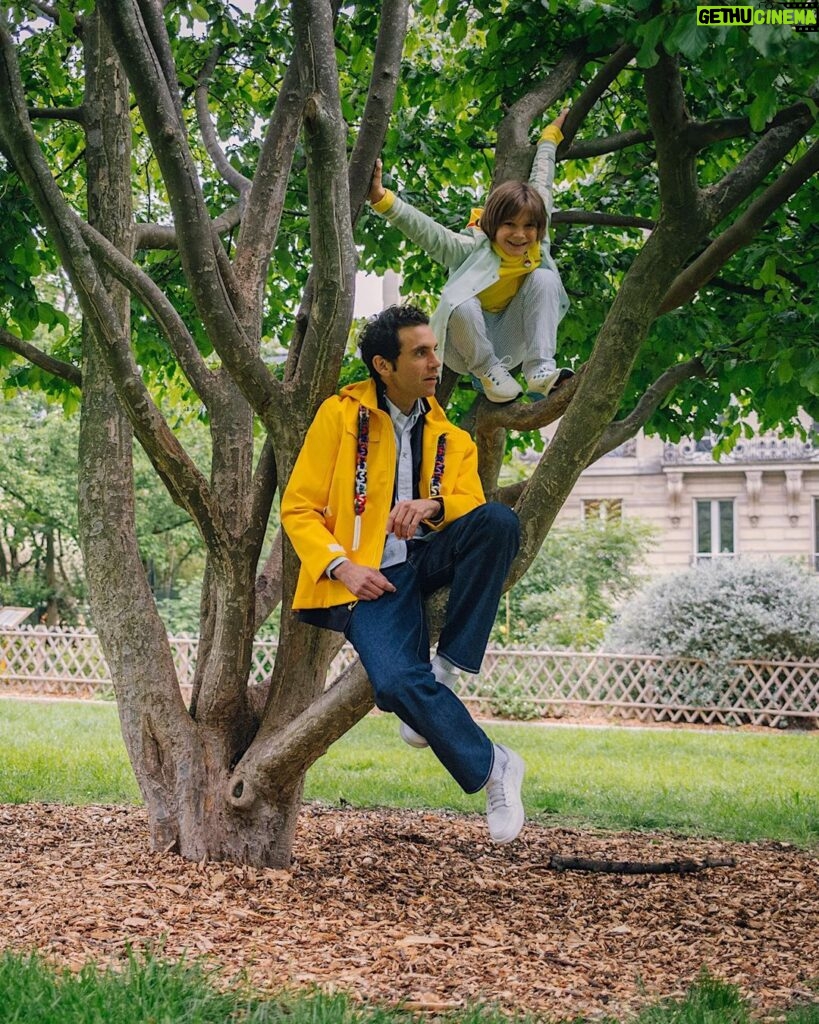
758	449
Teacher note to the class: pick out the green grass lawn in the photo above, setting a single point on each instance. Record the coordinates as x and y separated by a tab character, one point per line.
150	989
734	785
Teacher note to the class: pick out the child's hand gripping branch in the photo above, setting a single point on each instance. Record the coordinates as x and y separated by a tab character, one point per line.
503	301
377	190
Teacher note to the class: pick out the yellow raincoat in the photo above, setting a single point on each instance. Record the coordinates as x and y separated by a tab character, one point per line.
318	511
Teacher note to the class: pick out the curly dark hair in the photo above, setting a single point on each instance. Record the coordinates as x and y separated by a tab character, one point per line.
380	335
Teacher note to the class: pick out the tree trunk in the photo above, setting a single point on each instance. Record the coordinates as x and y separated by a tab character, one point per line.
182	764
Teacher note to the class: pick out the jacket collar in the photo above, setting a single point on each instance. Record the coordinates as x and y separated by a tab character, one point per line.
371	393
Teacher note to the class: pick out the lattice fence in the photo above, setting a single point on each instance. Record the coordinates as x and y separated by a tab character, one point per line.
513	683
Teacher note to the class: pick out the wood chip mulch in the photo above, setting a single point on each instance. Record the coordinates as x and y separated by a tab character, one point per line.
419	909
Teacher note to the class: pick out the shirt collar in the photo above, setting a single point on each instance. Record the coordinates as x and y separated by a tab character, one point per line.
403	421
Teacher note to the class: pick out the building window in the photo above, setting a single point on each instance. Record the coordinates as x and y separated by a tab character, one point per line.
715	529
606	510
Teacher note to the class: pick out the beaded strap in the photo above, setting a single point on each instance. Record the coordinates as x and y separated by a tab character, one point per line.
362	449
438	468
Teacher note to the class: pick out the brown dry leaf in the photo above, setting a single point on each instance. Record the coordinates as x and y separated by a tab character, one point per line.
422	940
419	909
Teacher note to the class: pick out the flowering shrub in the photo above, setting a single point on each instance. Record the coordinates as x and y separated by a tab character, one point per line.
726	610
720	613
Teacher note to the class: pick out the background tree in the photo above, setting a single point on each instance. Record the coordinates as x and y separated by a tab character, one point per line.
193	169
578	579
40	562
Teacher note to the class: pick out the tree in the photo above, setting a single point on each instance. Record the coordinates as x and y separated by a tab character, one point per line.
188	241
570	592
39	553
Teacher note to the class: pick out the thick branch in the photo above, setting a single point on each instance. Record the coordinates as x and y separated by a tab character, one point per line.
144	51
58	114
513	154
65	371
526	415
612	220
152	16
331	234
370	139
593	92
234	178
392	30
601	386
283	756
723	197
700	134
587	148
686	866
676	165
49	10
740	233
269	582
265	198
163	236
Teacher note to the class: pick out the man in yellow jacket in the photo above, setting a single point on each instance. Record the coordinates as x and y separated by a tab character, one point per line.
384	507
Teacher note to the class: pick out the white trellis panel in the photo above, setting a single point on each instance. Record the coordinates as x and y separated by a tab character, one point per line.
545	683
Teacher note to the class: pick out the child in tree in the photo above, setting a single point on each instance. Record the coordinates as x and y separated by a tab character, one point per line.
504	298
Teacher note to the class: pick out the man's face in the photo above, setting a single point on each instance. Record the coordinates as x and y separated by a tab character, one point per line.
415	374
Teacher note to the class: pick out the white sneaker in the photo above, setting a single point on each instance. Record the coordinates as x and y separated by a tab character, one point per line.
446	677
409	735
499	385
504	807
542	381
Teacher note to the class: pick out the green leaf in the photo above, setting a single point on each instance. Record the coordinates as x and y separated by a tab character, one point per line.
766	39
67	21
688	38
768	273
784	370
809	378
651	33
761	110
458	30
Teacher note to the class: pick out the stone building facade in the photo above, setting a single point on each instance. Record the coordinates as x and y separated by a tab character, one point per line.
760	501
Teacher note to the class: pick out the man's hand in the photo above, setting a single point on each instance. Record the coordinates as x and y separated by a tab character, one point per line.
377	190
407	516
365	583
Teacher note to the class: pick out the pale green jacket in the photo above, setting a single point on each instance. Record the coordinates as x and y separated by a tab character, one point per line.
468	254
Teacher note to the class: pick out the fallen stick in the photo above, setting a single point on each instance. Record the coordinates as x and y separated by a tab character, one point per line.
639	867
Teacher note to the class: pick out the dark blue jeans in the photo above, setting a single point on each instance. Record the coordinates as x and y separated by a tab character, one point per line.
390	634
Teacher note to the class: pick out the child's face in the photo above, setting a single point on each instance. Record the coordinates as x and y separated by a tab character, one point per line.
516	234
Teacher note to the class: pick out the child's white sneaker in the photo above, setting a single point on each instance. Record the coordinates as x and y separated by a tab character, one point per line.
542	382
499	385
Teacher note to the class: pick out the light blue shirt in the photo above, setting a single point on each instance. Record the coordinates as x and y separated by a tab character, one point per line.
395	550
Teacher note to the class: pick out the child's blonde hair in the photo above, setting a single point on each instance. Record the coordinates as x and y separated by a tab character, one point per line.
507	201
